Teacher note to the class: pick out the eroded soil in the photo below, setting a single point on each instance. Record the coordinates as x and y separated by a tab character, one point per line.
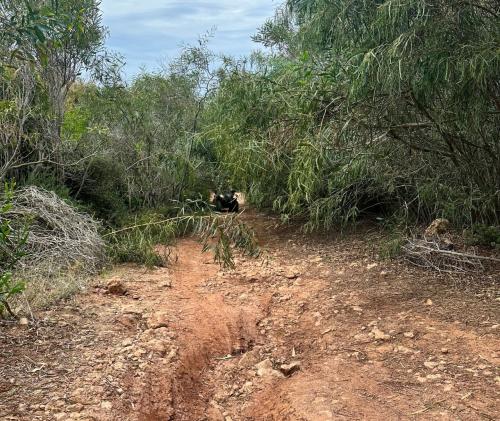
315	329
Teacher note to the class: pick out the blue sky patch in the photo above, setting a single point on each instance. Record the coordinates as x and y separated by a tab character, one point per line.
151	32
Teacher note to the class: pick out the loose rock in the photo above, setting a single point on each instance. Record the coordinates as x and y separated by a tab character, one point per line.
376	333
289	369
116	287
106	405
437	227
265	369
158	320
431	364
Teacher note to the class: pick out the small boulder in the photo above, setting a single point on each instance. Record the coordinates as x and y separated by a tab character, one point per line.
106	405
289	369
292	274
431	364
247	387
250	358
362	337
116	287
158	346
127	342
265	369
446	244
403	349
437	227
128	321
157	321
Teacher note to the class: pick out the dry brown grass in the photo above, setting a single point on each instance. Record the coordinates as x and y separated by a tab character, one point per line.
63	250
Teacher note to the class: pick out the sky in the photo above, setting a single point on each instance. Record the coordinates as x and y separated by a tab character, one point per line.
150	32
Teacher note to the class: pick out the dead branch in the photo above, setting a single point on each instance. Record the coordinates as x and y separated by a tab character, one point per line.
428	254
60	237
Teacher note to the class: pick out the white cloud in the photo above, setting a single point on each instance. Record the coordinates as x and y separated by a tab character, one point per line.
147	32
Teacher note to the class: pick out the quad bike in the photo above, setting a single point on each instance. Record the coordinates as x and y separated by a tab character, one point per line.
227	202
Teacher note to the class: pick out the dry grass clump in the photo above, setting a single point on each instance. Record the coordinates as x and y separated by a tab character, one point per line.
60	237
63	249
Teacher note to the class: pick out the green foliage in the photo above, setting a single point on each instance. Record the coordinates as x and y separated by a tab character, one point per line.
144	241
387	108
393	236
25	28
480	234
47	180
101	186
12	242
391	247
139	139
221	235
367	107
45	46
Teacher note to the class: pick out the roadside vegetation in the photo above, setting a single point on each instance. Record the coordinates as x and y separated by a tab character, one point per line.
386	109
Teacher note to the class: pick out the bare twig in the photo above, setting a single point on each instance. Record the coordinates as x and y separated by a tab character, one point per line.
60	237
428	254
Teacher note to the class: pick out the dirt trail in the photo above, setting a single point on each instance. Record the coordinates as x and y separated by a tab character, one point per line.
315	329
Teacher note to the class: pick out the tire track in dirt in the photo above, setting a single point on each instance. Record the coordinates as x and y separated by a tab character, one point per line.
373	339
208	329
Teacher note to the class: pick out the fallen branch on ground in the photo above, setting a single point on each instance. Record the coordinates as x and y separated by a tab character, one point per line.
59	237
428	254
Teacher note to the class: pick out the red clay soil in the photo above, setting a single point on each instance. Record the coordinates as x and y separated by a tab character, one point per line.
315	329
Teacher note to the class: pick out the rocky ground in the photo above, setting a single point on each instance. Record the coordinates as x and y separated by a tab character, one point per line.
315	329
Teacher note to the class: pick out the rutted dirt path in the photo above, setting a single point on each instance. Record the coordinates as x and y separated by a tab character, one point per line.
315	329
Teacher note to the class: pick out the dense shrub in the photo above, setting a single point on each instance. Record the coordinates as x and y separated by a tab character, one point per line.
101	186
12	242
386	107
143	240
483	235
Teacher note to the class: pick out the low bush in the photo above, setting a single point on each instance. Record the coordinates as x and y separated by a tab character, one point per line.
147	240
100	186
144	240
485	235
12	244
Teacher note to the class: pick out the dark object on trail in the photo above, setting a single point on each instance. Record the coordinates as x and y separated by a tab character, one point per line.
226	202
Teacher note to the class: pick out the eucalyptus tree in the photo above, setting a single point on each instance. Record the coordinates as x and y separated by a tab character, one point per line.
78	47
203	69
47	45
371	105
24	32
422	77
136	137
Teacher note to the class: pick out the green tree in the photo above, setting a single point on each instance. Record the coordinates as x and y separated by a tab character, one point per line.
47	45
369	106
